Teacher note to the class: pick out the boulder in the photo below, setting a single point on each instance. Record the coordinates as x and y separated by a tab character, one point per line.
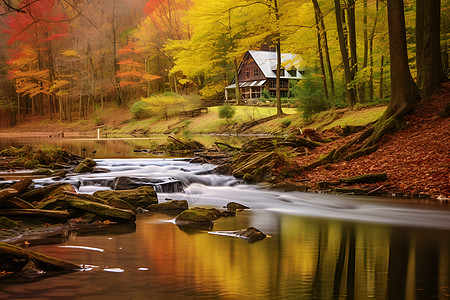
172	206
233	206
197	217
160	185
224	169
140	197
86	166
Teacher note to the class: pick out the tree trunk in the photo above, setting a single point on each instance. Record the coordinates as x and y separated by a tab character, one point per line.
381	77
342	44
324	40
237	89
319	48
352	38
429	62
278	45
366	50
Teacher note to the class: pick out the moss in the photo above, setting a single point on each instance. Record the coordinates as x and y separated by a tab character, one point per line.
199	215
141	197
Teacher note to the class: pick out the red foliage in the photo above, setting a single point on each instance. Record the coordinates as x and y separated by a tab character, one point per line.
416	159
40	23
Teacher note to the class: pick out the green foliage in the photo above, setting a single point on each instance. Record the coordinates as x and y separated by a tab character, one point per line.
140	110
311	96
227	112
286	123
265	95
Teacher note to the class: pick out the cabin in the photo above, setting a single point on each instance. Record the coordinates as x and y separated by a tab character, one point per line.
258	71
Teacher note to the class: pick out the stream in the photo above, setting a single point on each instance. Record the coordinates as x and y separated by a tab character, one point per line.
320	246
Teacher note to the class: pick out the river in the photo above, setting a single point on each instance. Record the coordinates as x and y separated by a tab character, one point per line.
320	246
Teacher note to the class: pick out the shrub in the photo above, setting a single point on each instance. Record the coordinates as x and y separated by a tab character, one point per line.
286	123
311	96
226	112
140	110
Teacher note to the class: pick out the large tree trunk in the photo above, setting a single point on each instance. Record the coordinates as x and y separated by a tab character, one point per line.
428	49
352	38
342	44
278	45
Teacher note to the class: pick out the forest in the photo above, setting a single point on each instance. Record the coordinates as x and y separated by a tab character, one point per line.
67	59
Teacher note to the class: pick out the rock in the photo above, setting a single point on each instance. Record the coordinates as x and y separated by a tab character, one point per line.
86	166
197	217
250	234
233	206
101	170
60	173
169	206
77	205
60	166
140	197
160	185
228	213
45	172
47	191
6	223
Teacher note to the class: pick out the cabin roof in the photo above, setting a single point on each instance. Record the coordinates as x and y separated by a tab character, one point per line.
267	62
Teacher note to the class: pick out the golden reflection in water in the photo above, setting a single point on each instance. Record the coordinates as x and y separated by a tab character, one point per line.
325	260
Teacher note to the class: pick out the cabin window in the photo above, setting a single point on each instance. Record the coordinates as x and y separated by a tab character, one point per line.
302	73
293	73
255	73
283	84
272	84
247	73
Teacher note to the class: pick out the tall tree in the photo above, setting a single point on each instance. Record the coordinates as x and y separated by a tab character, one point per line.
350	92
430	74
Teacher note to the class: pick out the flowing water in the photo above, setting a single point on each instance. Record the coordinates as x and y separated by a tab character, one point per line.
320	246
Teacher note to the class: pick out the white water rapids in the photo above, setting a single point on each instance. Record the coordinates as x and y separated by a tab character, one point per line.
204	189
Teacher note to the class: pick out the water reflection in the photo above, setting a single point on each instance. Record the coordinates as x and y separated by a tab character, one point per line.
305	258
114	147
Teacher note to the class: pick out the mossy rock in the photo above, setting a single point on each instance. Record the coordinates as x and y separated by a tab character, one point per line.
83	168
141	197
197	217
45	172
169	206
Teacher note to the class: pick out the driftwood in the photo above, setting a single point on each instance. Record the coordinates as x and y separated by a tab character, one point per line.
20	261
15	202
56	214
16	189
368	178
227	146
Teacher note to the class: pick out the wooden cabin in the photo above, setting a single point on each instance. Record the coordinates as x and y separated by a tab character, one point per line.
257	71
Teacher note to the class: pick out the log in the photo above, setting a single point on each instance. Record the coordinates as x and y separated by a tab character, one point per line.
367	178
39	213
44	192
227	145
15	190
181	143
42	261
16	202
